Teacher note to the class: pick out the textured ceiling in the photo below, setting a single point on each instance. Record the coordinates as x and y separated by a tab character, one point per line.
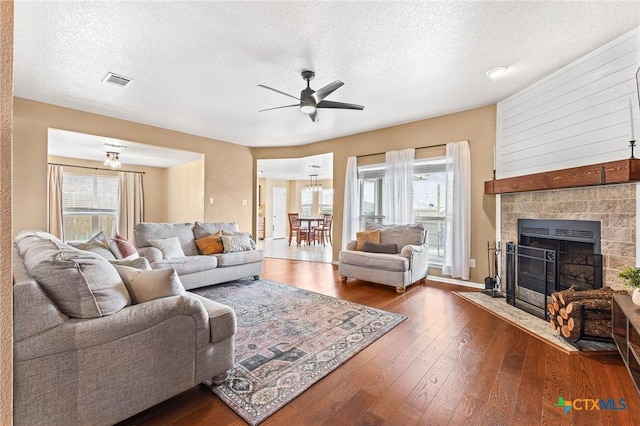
195	66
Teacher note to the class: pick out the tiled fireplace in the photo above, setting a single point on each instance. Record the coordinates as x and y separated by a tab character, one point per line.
614	206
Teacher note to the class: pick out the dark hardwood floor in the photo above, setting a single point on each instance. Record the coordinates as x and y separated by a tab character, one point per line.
450	362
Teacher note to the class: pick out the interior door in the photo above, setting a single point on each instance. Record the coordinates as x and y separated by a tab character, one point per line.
279	212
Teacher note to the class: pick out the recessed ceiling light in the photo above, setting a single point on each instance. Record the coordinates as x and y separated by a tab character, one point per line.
496	72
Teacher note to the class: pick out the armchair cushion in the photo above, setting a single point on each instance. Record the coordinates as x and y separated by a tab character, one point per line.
380	248
363	236
401	235
377	261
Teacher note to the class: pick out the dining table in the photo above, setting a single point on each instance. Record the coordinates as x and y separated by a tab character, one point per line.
310	221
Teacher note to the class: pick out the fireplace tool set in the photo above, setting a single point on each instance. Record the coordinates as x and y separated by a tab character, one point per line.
492	282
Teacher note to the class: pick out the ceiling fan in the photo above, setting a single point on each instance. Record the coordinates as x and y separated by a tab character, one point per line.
311	99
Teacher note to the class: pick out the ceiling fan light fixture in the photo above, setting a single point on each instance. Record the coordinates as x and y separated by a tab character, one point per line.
308	109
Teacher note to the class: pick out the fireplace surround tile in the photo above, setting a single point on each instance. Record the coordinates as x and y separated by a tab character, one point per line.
613	205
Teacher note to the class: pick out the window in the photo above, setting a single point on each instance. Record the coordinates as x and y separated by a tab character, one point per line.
306	203
89	205
326	201
429	196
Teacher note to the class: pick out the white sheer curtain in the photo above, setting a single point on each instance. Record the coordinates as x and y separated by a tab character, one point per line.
131	209
397	192
457	236
55	222
351	211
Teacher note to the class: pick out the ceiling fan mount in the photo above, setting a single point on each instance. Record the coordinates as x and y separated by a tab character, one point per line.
308	75
310	100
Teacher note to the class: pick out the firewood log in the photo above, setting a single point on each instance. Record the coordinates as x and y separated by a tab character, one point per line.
561	295
605	292
597	328
563	313
551	308
591	304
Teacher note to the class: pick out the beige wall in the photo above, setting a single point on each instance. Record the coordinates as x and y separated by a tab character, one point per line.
6	280
227	167
185	193
478	126
153	180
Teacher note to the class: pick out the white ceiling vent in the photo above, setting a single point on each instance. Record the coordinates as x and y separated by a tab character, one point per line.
116	79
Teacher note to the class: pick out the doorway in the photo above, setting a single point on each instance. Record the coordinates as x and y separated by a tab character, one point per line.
279	212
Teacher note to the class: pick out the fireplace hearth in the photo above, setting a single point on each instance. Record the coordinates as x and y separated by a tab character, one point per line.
551	255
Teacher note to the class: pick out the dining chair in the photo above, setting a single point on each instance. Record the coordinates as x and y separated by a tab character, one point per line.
322	233
296	230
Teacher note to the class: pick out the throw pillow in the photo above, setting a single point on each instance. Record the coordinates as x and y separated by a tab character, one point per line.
123	249
363	236
170	247
97	248
210	244
82	284
149	285
232	233
380	248
137	263
236	243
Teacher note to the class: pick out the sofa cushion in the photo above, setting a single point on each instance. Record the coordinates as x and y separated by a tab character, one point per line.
363	236
210	244
122	248
137	263
201	230
401	235
97	244
146	231
236	243
82	284
232	233
188	264
383	261
240	257
170	247
149	285
370	247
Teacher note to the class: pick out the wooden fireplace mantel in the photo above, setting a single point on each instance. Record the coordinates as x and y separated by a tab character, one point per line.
612	172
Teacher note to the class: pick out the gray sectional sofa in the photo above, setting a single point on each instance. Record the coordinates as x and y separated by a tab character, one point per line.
85	355
196	270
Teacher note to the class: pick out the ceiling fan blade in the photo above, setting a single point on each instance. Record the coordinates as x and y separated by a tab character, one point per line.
313	116
285	106
277	91
338	105
322	93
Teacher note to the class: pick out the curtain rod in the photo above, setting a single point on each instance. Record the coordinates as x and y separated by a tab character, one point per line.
95	168
420	147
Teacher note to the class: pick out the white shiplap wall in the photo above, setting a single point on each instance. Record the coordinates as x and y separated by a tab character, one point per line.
577	116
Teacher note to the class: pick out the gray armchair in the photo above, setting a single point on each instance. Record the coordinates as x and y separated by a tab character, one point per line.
409	263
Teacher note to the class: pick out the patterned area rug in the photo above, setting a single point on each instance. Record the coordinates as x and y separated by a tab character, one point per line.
288	339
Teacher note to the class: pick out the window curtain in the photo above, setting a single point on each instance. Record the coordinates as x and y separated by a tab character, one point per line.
397	192
56	224
457	236
131	209
351	211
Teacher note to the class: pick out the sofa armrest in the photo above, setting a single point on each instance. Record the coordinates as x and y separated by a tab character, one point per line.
418	256
152	254
222	319
351	245
76	334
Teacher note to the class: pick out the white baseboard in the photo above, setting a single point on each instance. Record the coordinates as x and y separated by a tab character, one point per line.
455	281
